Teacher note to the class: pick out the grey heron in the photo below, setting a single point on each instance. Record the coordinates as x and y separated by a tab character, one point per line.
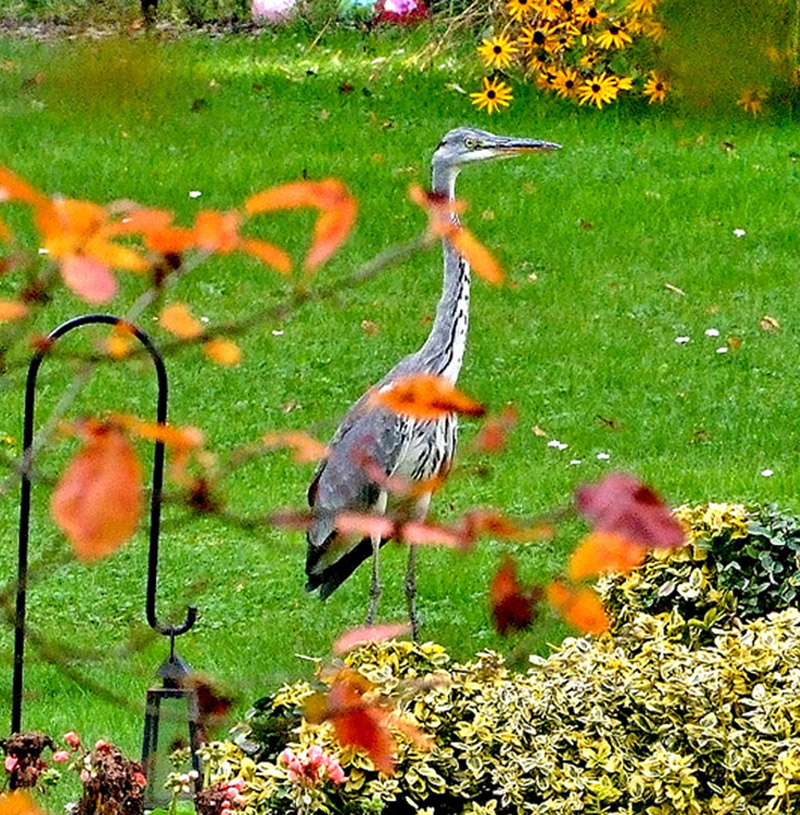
399	446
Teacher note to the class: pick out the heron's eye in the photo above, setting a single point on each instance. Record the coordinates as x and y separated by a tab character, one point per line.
470	144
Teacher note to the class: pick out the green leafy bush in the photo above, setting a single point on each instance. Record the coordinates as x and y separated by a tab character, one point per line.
638	723
740	562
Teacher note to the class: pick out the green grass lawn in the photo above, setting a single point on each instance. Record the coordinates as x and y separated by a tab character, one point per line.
596	240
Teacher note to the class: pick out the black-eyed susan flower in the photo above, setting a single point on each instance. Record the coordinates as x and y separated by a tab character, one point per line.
497	51
656	89
520	9
548	9
752	101
642	6
615	36
589	16
598	90
591	59
653	29
539	61
494	95
546	81
566	83
534	37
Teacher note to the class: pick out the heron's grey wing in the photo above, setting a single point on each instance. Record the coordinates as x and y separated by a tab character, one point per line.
375	437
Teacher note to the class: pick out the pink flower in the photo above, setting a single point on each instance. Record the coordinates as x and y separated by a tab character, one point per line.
316	757
11	763
85	776
102	746
139	779
72	740
236	784
272	11
335	772
231	793
61	756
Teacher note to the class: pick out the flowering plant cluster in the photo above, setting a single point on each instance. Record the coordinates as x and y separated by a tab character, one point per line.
312	767
588	51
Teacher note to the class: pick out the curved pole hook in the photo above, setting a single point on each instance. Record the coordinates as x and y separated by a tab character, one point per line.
25	500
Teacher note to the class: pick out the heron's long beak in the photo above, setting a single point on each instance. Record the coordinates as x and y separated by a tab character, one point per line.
513	147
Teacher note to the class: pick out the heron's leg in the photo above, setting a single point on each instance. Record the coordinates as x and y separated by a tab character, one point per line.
420	511
375	589
411	592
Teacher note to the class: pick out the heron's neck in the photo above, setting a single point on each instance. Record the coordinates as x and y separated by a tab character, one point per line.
443	351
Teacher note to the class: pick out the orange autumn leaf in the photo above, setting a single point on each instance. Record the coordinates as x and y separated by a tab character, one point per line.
176	438
362	524
330	231
338	212
223	352
512	606
306	449
358	722
443	222
90	279
13	188
217	231
425	397
367	634
18	803
602	552
118	344
97	502
267	253
178	320
492	523
581	607
11	310
481	260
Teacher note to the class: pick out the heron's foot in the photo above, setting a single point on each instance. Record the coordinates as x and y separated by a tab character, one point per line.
411	594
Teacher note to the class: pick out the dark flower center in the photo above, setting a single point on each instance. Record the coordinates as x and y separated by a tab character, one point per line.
498	49
567	5
491	94
569	84
613	30
593	12
538	37
595	87
659	86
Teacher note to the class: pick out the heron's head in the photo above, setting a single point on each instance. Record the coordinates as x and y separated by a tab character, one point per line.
466	144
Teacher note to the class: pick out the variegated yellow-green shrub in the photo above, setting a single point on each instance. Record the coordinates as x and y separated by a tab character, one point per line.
634	723
740	562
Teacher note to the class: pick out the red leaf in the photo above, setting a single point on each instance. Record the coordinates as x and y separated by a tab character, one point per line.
97	502
425	397
605	552
492	436
623	505
89	278
357	722
367	634
512	607
355	524
418	533
580	607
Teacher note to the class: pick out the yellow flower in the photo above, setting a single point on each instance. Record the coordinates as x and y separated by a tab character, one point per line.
497	51
752	101
656	88
546	81
589	15
589	59
566	82
598	90
520	9
623	83
642	6
615	36
654	30
495	94
539	61
532	37
548	9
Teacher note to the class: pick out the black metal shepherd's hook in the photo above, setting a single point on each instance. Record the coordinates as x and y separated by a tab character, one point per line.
25	501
